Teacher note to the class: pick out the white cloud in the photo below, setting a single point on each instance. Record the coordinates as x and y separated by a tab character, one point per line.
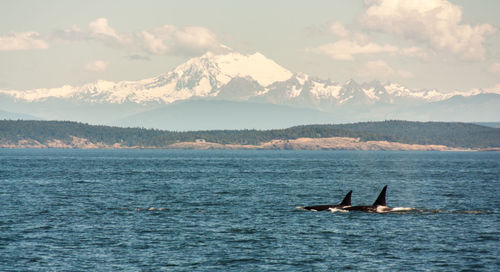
494	68
338	30
357	43
97	66
196	36
22	41
179	40
414	51
100	29
435	22
71	34
381	70
346	49
166	39
153	44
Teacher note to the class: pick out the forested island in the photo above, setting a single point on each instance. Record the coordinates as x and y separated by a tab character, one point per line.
385	135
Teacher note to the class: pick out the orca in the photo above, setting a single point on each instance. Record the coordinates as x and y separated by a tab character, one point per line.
379	206
345	203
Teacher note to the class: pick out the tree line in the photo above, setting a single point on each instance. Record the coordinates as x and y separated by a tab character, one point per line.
465	135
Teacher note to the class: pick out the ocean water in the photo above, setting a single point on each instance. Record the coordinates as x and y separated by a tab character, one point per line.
167	210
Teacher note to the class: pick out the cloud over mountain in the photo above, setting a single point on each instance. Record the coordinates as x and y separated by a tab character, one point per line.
163	40
22	41
346	49
170	39
437	23
97	66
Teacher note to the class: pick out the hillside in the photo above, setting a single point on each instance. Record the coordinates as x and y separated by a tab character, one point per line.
66	134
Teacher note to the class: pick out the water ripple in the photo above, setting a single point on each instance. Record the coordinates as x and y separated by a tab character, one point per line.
153	210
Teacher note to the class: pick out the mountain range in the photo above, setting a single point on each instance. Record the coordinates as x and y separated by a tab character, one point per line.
236	91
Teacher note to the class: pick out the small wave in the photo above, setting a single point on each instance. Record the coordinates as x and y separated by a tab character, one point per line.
471	212
151	209
450	211
425	211
300	208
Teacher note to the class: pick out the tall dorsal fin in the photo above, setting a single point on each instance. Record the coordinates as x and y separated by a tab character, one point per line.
347	200
381	198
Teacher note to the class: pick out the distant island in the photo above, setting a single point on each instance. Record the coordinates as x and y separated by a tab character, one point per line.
385	135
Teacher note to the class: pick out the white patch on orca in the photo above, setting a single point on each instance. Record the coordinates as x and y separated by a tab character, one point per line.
402	209
337	210
383	209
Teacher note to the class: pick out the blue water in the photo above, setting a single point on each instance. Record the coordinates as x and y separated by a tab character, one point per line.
158	210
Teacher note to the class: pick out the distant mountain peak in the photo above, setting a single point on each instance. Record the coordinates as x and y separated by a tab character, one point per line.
239	77
351	82
256	66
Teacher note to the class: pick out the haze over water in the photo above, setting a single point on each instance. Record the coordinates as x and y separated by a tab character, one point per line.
159	210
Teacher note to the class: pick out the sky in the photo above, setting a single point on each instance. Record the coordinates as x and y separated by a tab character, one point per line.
430	44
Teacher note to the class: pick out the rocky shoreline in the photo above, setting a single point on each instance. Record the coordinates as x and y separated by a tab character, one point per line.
333	143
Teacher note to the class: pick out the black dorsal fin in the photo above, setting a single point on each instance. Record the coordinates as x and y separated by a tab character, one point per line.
381	198
347	200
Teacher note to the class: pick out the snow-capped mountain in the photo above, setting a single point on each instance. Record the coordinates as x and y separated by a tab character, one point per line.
198	77
212	75
241	78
